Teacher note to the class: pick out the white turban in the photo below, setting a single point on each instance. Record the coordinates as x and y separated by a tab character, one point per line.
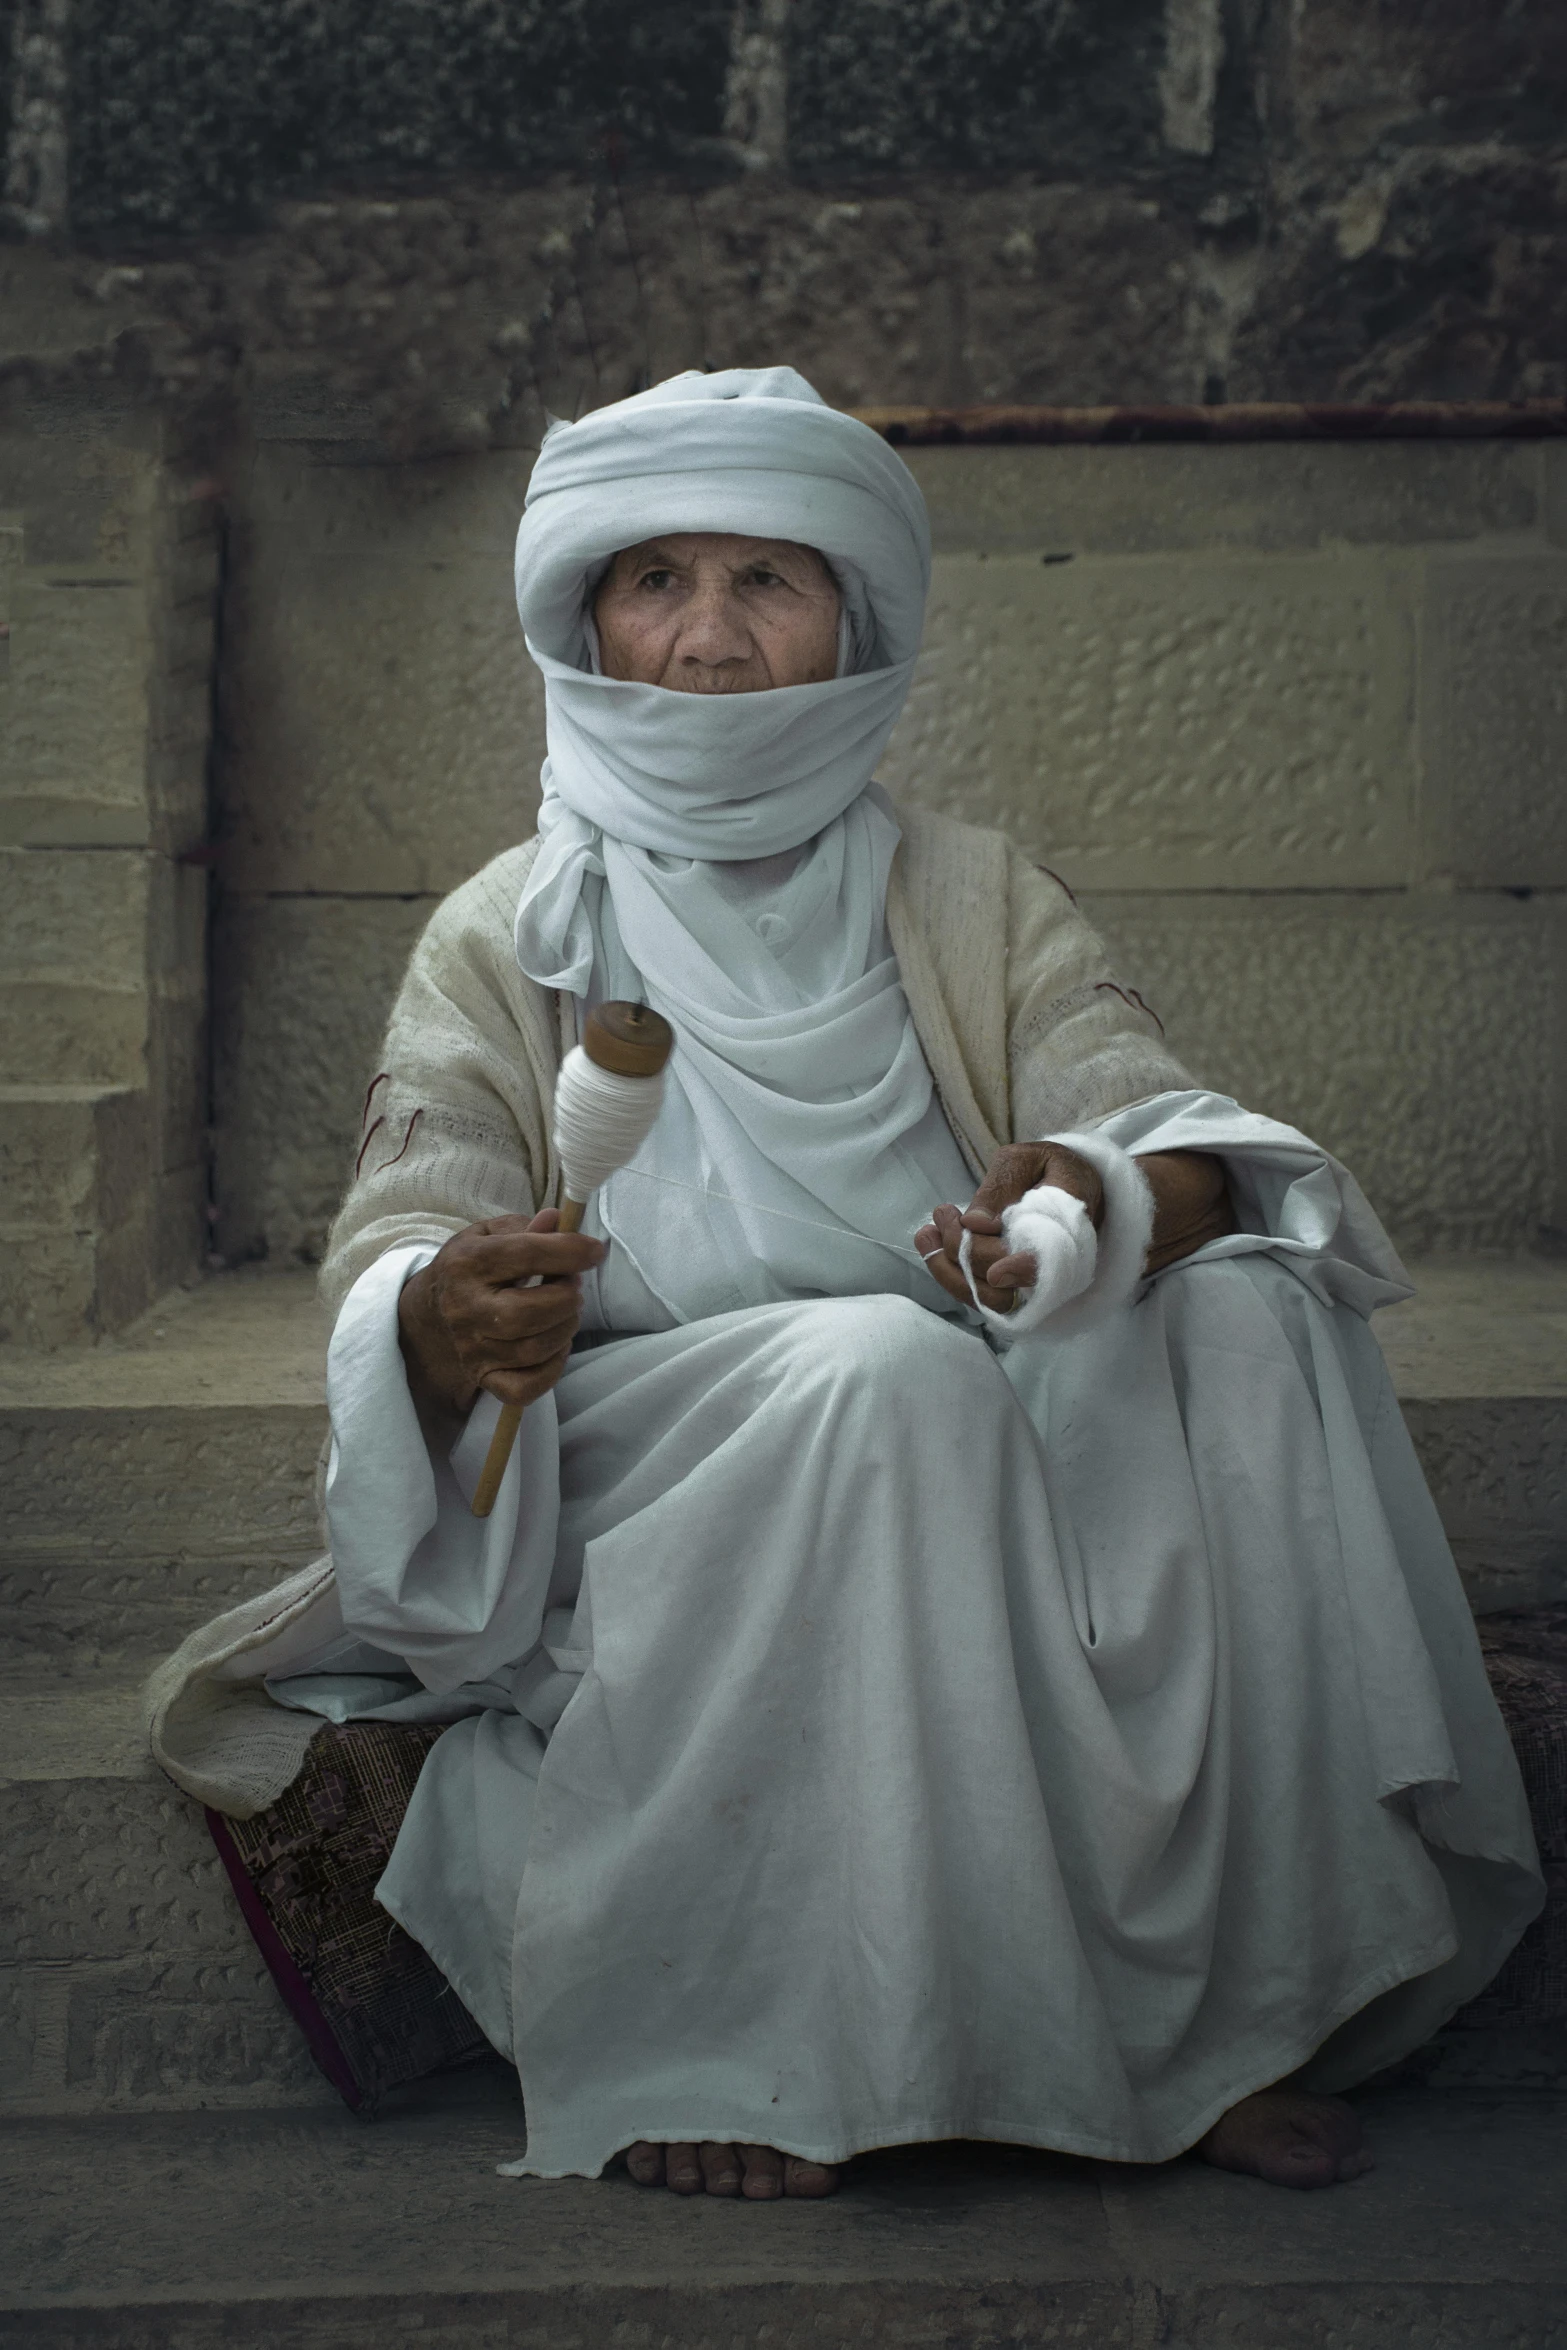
721	777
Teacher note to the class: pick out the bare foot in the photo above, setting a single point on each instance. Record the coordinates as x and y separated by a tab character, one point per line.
1289	2138
756	2172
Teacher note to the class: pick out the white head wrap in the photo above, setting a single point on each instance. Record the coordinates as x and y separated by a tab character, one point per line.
756	452
798	1090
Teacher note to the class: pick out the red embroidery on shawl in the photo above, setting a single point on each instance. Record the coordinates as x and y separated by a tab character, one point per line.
379	1079
1060	884
1130	996
365	1145
407	1139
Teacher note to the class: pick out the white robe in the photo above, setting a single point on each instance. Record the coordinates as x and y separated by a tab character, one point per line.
883	1739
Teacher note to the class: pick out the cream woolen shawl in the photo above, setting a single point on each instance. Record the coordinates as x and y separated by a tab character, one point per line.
1016	1007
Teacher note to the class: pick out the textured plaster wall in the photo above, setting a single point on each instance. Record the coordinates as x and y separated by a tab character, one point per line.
1292	716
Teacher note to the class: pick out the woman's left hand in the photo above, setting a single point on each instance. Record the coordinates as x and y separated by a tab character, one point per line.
1016	1168
1191	1206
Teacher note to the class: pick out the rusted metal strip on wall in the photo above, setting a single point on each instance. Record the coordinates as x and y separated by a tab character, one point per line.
1261	420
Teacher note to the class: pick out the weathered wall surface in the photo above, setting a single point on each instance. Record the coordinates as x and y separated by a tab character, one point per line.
1293	717
107	606
427	221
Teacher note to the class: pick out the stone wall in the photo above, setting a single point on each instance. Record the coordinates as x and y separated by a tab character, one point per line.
428	221
1292	717
108	578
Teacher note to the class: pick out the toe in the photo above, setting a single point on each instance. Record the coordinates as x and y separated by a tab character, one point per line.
645	2162
683	2170
1297	2162
763	2178
720	2168
809	2178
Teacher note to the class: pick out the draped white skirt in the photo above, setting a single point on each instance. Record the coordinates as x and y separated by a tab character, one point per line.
1050	1748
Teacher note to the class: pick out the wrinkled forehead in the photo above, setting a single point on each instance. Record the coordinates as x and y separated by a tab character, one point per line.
721	551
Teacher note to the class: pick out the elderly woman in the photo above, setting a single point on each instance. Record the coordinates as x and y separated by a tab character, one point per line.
930	1673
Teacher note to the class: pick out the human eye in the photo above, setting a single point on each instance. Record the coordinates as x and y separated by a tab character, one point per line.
657	577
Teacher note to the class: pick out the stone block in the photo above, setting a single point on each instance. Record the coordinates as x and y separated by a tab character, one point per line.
70	1158
297	503
87	486
53	1033
18	2030
1497	1469
1436	274
1410	1036
1555	456
1171	724
855	286
174	2030
1271	497
1445	72
59	1289
385	723
74	1615
173	136
916	85
112	1868
73	1007
77	1211
68	916
1075	296
49	1290
75	711
1494	723
303	988
160	1482
178	1225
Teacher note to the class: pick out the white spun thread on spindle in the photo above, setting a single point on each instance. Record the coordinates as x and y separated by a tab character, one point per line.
601	1120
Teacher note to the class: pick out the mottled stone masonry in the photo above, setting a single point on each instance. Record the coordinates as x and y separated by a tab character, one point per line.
194	118
425	222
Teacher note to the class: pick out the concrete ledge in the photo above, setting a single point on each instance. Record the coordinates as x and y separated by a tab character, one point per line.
295	2230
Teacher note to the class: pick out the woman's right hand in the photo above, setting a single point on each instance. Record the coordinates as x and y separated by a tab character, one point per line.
466	1323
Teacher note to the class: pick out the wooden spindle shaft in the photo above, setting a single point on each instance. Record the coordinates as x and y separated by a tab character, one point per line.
631	1040
572	1212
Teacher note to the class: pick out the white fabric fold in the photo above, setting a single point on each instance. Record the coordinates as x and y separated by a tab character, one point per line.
457	1598
800	1143
1291	1198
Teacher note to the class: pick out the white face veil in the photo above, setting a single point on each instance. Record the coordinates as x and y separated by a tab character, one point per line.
799	1097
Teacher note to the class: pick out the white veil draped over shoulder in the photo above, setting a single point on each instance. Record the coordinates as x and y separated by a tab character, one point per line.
799	1102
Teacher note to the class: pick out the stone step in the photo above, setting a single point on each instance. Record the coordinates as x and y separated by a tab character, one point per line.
1479	1362
156	1478
310	2231
127	1975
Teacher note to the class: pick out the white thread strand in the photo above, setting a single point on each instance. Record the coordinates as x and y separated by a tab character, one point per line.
601	1120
